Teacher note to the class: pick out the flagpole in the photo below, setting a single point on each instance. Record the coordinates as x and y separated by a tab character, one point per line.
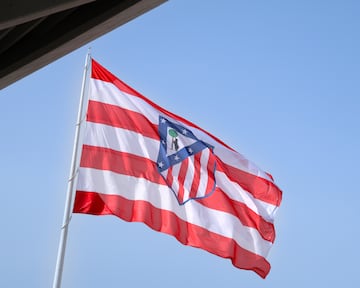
71	183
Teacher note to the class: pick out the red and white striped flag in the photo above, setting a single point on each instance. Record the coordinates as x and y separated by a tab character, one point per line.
143	163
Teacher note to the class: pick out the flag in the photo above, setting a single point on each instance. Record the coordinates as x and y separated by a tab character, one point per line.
143	163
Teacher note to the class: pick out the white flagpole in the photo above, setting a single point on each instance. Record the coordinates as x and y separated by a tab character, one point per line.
71	183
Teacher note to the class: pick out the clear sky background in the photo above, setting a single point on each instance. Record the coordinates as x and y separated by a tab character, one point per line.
276	80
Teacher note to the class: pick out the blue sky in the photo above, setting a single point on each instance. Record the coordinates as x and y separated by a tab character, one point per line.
276	80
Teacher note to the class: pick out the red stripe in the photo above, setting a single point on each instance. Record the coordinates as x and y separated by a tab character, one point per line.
120	162
169	177
210	172
181	179
100	73
167	222
90	203
197	169
116	116
260	188
128	164
219	200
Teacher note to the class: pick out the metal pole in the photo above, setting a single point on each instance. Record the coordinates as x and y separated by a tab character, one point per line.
71	186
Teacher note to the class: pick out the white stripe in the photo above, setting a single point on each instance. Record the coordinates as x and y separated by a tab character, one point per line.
235	192
108	93
175	173
204	177
121	140
189	178
160	196
130	142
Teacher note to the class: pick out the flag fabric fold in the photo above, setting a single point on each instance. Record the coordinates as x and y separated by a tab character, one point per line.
143	163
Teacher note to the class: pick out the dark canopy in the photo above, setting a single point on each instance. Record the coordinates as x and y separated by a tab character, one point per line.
35	33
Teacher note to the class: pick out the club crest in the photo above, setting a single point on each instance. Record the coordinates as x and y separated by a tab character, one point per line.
186	163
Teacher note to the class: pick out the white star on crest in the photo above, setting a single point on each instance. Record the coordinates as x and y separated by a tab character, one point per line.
161	164
190	151
184	131
176	157
163	120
